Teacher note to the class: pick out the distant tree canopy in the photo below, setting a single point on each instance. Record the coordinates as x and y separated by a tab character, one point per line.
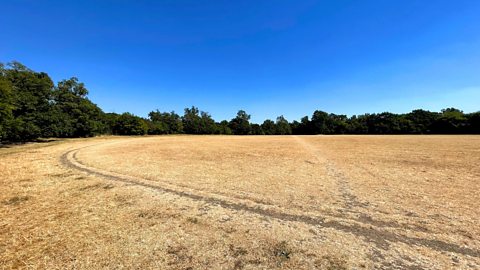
165	123
198	122
32	106
268	127
129	124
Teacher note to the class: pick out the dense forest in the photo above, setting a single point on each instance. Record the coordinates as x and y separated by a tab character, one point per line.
32	106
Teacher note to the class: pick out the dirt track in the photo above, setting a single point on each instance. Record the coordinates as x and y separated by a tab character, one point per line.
353	216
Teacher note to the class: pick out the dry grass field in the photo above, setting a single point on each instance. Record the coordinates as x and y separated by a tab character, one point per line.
233	202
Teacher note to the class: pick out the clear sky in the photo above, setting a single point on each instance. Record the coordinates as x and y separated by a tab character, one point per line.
266	57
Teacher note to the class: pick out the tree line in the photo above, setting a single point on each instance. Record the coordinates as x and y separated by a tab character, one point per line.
32	106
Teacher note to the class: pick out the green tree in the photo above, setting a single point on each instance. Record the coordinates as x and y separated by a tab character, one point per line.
129	124
109	120
474	122
338	124
165	123
240	125
192	121
207	124
223	128
450	121
295	126
256	129
268	127
157	128
6	105
30	97
357	124
282	127
302	127
422	121
73	113
320	123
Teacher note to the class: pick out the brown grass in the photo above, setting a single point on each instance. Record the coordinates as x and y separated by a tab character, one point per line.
227	202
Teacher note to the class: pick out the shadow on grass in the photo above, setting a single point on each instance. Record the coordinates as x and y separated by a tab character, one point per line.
13	144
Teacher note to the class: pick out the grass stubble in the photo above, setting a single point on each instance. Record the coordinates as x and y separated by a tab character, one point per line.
227	202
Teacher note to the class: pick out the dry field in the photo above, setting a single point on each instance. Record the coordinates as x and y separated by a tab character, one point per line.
233	202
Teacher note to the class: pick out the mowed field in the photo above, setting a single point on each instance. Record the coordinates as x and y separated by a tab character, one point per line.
242	202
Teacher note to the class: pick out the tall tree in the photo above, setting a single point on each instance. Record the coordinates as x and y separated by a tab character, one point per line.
192	121
450	121
474	122
6	106
165	123
73	113
320	123
268	127
30	101
338	124
207	123
256	129
302	127
282	127
240	125
223	128
421	120
129	124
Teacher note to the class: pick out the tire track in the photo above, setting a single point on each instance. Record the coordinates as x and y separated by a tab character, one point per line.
380	238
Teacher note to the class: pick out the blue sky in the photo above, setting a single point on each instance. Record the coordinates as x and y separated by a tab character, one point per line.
266	57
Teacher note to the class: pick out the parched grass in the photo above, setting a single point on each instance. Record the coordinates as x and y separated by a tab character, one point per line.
418	191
